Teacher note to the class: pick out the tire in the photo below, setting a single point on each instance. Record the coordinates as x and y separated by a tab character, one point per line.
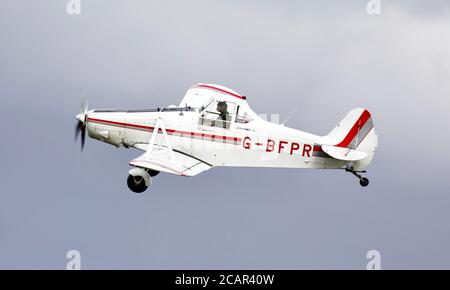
136	185
364	182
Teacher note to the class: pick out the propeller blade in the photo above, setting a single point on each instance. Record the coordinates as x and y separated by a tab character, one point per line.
80	128
83	137
81	124
77	130
86	107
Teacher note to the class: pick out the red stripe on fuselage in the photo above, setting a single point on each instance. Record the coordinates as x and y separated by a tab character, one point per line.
169	131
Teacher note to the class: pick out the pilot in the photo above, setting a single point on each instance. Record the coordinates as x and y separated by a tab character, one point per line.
224	117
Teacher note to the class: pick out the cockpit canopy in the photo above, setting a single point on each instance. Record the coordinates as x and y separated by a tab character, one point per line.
199	94
219	106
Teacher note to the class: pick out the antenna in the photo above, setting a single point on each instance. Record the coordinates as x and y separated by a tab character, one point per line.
289	116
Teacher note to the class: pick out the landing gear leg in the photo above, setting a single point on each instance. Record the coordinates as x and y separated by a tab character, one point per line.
363	181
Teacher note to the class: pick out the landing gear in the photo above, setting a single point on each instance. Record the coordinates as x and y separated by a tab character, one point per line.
136	183
363	181
139	179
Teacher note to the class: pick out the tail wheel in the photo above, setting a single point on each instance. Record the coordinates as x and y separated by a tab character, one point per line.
364	182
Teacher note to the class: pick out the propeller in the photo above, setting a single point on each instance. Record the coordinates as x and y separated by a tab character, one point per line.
80	127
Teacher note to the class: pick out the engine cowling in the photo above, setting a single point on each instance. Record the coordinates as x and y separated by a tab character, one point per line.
138	180
113	137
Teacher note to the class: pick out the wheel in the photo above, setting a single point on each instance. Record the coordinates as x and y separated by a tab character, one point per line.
364	182
136	183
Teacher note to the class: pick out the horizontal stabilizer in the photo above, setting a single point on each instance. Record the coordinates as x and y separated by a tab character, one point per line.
343	153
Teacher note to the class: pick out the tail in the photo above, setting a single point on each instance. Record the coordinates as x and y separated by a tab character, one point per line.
356	131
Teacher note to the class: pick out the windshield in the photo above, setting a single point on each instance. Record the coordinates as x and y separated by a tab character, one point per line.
218	114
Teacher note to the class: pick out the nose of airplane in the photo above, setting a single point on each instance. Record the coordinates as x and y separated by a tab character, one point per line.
80	117
80	127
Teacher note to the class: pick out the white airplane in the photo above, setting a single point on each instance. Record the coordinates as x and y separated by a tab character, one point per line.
214	126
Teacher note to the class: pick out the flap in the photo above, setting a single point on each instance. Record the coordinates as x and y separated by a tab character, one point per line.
179	164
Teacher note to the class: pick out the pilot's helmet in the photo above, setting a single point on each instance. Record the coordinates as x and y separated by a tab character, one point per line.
222	104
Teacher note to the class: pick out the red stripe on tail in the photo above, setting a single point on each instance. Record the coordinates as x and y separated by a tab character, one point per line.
355	129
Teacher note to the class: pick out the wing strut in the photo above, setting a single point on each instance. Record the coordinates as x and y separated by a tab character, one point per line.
159	125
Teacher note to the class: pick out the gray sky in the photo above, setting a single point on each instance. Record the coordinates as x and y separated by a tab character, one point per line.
320	57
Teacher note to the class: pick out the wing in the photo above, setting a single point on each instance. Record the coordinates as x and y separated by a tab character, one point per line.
343	153
163	158
169	161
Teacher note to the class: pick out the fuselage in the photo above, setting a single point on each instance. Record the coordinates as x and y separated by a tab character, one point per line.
258	143
214	126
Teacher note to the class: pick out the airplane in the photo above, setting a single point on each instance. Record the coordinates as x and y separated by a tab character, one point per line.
214	126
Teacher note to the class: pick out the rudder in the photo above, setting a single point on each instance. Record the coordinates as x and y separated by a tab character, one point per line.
356	131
